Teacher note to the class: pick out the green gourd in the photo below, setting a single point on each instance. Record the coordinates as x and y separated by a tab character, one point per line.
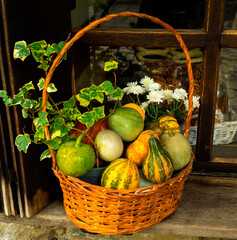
157	165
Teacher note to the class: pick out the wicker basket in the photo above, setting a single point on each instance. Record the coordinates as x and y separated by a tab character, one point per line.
112	212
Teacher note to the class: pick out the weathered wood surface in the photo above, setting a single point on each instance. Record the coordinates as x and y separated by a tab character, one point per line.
142	37
208	209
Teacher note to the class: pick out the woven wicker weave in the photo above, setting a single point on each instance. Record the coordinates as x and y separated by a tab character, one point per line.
113	212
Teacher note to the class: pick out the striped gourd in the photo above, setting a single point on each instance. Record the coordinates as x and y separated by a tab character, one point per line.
120	174
157	165
168	123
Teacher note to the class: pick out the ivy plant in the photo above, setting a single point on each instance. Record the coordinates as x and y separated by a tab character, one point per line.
60	117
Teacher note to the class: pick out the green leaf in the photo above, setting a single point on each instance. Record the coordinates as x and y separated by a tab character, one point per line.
54	143
106	87
75	114
110	65
45	154
38	56
98	113
21	50
117	94
42	119
24	113
44	64
27	104
50	50
38	46
7	100
41	83
86	118
84	99
17	100
51	88
39	134
22	142
70	103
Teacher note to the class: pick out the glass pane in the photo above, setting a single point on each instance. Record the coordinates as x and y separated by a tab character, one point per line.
165	66
226	109
179	14
230	15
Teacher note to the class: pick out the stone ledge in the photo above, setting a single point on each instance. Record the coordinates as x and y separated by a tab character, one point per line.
208	209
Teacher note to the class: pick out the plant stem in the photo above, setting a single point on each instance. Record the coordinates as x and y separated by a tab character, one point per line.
78	141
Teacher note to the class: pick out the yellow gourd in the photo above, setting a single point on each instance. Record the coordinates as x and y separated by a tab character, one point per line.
168	123
138	149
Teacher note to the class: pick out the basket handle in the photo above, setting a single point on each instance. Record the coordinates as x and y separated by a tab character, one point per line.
94	24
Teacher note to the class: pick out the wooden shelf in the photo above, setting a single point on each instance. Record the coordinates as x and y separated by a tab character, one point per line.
208	209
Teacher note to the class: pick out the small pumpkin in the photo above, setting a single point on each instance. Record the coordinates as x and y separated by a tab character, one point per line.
136	107
138	149
120	174
157	165
168	123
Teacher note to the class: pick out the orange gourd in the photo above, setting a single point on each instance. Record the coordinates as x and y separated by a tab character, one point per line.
138	149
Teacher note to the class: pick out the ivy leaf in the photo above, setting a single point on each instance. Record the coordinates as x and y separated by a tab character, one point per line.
75	113
42	119
39	134
22	142
110	65
41	83
117	94
106	87
86	118
24	113
98	113
21	50
45	154
27	104
17	100
84	99
70	103
38	46
50	50
54	143
38	56
51	88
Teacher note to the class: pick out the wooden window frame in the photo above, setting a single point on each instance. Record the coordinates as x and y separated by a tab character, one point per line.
212	38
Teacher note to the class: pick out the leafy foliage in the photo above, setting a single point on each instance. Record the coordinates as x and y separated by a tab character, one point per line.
60	117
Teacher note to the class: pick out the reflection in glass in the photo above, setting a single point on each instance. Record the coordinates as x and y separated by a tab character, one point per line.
179	14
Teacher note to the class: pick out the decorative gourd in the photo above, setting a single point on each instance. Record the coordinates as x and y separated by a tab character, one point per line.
75	158
120	174
138	149
168	123
136	107
154	126
109	145
178	147
127	123
157	165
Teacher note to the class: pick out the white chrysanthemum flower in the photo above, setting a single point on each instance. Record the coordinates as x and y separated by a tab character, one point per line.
152	87
168	95
146	80
196	103
133	87
180	94
155	96
144	105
